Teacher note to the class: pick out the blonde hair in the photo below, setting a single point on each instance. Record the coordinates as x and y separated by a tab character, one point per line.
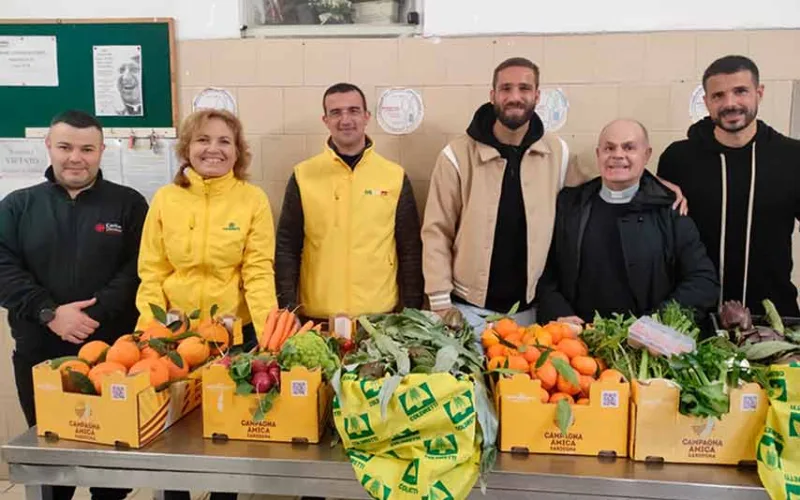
193	123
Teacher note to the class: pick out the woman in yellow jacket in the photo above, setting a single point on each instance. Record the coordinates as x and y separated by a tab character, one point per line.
208	238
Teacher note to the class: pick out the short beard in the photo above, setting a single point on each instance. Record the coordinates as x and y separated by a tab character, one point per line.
514	123
749	116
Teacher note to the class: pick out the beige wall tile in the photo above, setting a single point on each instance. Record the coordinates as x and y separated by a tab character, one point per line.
591	107
582	146
261	109
529	47
234	62
421	62
568	59
326	61
280	62
776	106
619	58
388	146
680	95
374	61
256	169
302	108
659	142
712	45
15	420
450	109
275	191
419	151
670	57
280	154
647	103
468	61
315	144
194	62
775	53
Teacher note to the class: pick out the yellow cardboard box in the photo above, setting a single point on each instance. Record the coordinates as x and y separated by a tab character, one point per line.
660	432
298	414
128	413
530	426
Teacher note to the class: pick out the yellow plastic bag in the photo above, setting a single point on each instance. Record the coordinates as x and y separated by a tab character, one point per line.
425	446
778	451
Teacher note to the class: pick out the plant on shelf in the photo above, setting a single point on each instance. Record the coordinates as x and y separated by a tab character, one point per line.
333	11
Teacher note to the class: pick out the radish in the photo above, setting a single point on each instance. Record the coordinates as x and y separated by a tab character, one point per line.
262	382
258	366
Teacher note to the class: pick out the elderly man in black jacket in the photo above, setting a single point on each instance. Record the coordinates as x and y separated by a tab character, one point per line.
618	246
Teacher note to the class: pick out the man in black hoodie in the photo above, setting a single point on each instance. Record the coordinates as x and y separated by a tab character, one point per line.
618	246
743	180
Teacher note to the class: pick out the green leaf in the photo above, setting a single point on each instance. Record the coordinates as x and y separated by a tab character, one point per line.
214	310
390	384
176	358
768	349
159	346
265	405
240	368
243	388
175	325
195	314
183	336
446	359
566	371
563	415
543	358
159	314
102	357
57	362
513	309
81	382
793	335
773	316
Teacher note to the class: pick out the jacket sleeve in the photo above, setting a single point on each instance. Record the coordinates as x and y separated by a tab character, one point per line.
258	271
697	285
409	248
289	245
442	217
552	303
19	291
119	294
154	266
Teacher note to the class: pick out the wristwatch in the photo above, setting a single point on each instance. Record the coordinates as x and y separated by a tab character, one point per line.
47	315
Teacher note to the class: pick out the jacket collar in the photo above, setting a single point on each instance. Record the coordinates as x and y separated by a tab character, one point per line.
651	193
334	155
488	153
213	186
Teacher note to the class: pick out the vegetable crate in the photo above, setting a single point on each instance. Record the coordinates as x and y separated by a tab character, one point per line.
129	413
298	413
660	433
529	426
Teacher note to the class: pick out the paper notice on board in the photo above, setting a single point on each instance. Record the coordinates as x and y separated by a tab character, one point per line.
118	80
23	158
111	163
145	169
28	61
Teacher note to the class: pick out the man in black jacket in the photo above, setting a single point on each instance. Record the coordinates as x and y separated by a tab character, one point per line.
743	180
618	246
68	250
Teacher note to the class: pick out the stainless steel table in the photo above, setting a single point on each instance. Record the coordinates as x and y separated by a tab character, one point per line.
182	459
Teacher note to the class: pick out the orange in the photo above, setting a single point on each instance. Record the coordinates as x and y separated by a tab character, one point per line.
531	354
585	365
611	375
489	338
128	337
124	353
496	362
156	330
544	397
175	372
558	355
585	383
548	375
514	338
97	373
560	395
159	373
583	401
505	327
563	385
148	352
555	330
216	334
572	348
517	363
92	351
194	350
496	350
72	366
544	338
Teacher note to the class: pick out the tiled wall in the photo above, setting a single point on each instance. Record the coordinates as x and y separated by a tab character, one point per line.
279	84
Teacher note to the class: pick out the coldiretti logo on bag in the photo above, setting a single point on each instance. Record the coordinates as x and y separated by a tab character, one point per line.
375	487
337	409
770	449
439	492
792	486
359	459
777	384
371	390
408	483
442	447
460	410
404	437
359	429
418	401
794	421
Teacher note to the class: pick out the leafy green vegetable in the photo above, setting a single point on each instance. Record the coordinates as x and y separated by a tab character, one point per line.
773	317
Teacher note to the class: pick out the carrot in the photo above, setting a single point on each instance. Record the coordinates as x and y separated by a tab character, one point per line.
307	327
274	340
291	326
269	328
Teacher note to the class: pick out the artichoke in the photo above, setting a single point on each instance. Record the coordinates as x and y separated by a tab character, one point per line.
733	314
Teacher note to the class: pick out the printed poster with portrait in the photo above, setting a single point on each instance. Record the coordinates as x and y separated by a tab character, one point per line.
118	80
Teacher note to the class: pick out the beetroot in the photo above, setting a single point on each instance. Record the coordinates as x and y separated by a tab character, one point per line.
275	378
258	366
225	361
262	382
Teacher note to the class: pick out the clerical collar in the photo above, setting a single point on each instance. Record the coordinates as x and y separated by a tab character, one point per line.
618	197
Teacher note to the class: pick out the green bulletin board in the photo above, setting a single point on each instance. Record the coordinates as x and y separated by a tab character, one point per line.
35	106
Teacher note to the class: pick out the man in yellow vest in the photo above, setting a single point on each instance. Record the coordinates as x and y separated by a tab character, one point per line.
348	239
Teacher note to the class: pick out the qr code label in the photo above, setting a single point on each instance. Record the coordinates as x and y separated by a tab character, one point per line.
119	392
610	399
299	388
749	402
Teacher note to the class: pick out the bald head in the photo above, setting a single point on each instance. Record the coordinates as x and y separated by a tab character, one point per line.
623	150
